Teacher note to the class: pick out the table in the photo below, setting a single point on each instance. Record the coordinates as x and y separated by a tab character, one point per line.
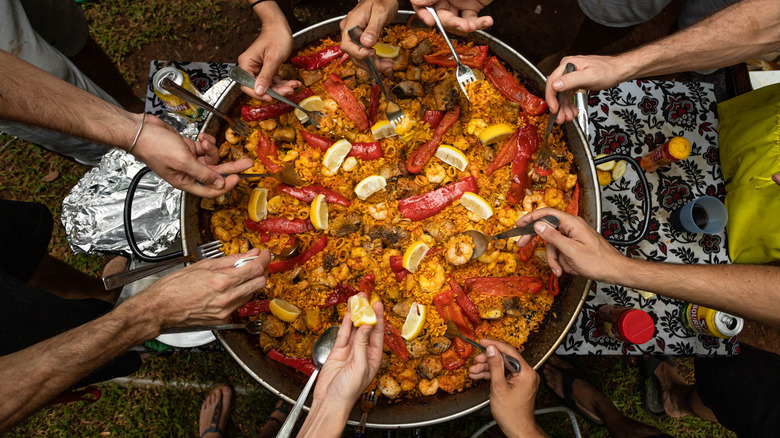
630	119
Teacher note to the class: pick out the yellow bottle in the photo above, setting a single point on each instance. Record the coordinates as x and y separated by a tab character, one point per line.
676	149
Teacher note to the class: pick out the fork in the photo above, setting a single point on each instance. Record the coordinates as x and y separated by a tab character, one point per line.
367	403
239	126
463	74
544	159
244	78
209	250
393	112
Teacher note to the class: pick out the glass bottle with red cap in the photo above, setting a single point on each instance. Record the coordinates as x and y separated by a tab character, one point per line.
633	326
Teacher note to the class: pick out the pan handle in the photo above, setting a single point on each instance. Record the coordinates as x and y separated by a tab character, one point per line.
127	216
647	206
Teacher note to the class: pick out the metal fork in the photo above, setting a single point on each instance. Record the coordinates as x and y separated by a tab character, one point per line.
244	78
544	159
209	250
239	126
367	403
463	74
393	112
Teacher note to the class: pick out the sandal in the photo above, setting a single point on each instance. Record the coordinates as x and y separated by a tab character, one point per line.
217	415
652	397
568	376
275	419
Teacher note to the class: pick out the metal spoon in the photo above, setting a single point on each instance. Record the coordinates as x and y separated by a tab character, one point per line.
510	363
287	175
252	327
481	241
320	353
245	78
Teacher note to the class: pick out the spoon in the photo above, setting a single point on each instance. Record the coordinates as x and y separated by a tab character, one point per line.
320	353
252	327
246	79
481	241
510	363
287	175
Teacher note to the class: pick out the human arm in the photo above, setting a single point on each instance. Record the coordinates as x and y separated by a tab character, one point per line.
264	56
745	290
370	16
457	16
74	111
351	365
734	34
512	397
203	293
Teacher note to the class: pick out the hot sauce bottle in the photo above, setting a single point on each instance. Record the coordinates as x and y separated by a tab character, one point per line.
676	149
633	326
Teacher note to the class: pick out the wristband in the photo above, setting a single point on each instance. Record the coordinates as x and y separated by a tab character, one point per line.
252	6
137	134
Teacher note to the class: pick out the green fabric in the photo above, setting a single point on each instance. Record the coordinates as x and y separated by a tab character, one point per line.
749	137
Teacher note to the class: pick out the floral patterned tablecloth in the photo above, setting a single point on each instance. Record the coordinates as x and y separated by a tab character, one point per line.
633	118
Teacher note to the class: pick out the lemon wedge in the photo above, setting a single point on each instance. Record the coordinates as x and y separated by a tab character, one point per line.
645	293
283	310
476	204
319	213
386	50
414	255
370	185
606	167
360	311
452	156
257	204
495	133
605	178
382	129
414	323
335	154
619	170
311	103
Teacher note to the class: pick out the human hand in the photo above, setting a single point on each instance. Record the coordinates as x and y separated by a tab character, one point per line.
511	397
575	247
208	291
448	11
264	56
184	163
370	16
593	73
353	362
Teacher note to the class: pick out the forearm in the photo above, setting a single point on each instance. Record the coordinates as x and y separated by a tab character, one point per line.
750	291
325	420
743	30
33	376
30	95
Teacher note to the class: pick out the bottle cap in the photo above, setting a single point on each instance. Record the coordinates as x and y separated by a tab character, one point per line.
636	326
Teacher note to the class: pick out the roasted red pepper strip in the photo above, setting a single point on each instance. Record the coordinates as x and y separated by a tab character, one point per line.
373	104
306	366
340	294
474	57
433	117
511	88
527	251
542	172
286	265
347	101
280	225
450	311
466	305
316	141
367	285
397	266
371	150
552	285
419	207
451	360
425	151
506	155
316	60
396	343
504	286
255	113
463	348
308	193
254	307
528	141
573	207
266	153
343	59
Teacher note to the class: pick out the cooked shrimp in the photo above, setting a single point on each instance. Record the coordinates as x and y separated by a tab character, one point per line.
388	386
533	201
407	379
435	173
410	41
507	217
222	234
230	136
489	257
291	155
473	217
320	276
268	124
432	283
379	211
224	149
428	387
509	262
341	272
459	249
570	182
553	197
330	105
275	204
231	247
358	259
327	172
310	158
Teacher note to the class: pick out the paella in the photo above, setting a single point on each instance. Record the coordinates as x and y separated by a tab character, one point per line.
383	206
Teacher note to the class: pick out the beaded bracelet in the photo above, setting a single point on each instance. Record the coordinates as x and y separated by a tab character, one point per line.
137	134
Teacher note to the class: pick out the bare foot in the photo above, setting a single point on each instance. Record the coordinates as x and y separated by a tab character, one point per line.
676	392
217	404
585	395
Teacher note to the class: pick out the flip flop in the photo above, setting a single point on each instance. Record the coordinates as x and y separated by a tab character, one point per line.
568	376
215	417
652	397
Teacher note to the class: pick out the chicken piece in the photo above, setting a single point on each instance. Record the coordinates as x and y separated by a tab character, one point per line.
402	309
445	94
207	204
441	232
438	344
237	152
430	367
390	236
285	135
512	307
417	347
299	325
273	327
344	224
406	187
347	72
388	386
489	312
389	171
407	90
401	61
425	47
450	383
413	73
288	72
363	75
266	341
310	77
313	320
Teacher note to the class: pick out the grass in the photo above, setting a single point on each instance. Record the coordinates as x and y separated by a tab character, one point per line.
122	27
